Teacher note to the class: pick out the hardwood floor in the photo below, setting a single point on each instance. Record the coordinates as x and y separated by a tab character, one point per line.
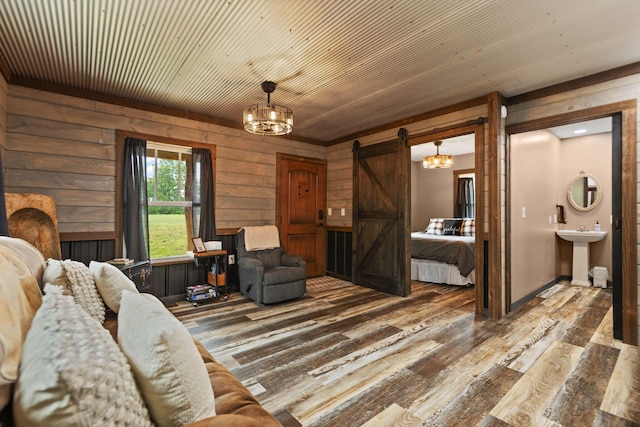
345	355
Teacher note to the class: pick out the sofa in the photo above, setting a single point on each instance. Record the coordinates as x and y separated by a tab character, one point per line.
74	354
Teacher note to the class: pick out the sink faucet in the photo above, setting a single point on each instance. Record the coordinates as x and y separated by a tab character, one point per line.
582	227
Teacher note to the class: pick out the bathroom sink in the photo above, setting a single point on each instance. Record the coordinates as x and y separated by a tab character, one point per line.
581	240
581	236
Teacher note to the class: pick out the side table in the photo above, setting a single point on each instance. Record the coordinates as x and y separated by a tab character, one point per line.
216	266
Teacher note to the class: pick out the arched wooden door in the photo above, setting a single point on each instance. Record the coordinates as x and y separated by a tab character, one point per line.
300	211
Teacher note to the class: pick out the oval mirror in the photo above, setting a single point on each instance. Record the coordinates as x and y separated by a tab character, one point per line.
584	192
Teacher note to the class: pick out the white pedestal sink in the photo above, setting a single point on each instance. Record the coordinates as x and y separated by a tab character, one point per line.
581	240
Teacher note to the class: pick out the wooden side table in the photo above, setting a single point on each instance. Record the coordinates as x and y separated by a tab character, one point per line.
216	265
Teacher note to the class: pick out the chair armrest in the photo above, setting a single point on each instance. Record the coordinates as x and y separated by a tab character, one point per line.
292	261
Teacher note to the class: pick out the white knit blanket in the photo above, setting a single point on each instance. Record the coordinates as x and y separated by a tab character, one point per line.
261	237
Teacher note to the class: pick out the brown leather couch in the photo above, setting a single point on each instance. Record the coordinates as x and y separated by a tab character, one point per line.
235	405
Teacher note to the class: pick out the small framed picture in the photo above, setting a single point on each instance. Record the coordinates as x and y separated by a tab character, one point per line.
198	244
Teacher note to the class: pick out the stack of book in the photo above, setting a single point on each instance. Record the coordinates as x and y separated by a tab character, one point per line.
200	292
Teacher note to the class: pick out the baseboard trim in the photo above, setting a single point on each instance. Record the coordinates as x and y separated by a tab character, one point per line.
542	288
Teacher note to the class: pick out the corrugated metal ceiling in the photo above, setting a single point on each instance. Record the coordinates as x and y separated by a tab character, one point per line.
342	66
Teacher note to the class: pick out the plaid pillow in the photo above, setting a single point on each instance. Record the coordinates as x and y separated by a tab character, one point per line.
436	225
468	227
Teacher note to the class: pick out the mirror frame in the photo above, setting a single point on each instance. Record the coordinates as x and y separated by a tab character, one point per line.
598	193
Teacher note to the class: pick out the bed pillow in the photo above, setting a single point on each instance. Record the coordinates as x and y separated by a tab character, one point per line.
452	227
169	370
468	227
72	372
436	225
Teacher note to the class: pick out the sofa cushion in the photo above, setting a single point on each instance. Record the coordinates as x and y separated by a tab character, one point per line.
72	373
110	282
166	364
235	405
20	297
76	279
31	256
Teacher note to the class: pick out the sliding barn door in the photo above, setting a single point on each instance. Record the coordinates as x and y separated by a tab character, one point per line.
381	216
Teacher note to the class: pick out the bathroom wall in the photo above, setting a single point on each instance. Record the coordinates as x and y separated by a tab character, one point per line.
592	155
542	168
433	189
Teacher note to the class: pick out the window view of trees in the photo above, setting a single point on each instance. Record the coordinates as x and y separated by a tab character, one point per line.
167	197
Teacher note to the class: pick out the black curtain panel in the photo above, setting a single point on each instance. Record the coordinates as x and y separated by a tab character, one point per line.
136	221
465	206
204	223
4	224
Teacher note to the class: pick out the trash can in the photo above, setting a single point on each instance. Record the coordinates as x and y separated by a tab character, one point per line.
600	276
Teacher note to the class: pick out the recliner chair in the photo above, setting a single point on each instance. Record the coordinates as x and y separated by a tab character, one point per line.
270	276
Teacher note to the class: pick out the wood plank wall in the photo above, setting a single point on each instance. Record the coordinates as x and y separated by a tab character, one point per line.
340	159
65	147
3	118
608	92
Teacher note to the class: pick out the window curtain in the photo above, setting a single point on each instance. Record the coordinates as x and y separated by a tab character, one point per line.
4	224
466	202
204	223
135	216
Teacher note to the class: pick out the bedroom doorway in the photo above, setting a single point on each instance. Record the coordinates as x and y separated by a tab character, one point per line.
623	205
454	196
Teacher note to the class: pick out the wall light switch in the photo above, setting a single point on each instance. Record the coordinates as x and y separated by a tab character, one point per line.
524	212
343	211
329	211
555	219
550	219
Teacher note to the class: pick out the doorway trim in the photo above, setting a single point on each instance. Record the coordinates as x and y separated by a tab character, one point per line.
628	111
477	128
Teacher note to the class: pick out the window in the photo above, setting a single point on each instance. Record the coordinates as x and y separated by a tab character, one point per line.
165	195
168	170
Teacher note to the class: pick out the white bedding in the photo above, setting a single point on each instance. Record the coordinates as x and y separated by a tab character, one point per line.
439	272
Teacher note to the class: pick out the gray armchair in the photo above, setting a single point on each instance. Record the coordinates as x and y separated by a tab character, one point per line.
269	276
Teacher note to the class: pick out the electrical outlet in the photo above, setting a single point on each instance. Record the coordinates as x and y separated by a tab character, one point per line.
232	259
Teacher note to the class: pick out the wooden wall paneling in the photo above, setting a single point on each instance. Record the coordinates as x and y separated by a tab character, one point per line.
63	147
630	320
494	287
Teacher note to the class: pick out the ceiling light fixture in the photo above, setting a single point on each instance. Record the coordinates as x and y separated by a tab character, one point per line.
438	161
267	119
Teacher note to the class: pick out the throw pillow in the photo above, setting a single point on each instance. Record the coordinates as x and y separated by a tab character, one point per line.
167	366
78	281
435	226
110	282
452	227
468	227
73	373
20	296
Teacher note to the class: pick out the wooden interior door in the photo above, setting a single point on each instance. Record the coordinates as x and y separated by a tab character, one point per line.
381	218
301	209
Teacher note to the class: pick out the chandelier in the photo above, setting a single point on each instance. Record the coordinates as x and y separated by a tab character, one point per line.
267	119
439	160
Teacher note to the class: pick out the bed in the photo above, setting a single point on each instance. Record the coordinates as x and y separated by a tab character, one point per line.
438	258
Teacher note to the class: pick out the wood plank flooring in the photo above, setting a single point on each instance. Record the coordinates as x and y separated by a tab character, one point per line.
345	355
